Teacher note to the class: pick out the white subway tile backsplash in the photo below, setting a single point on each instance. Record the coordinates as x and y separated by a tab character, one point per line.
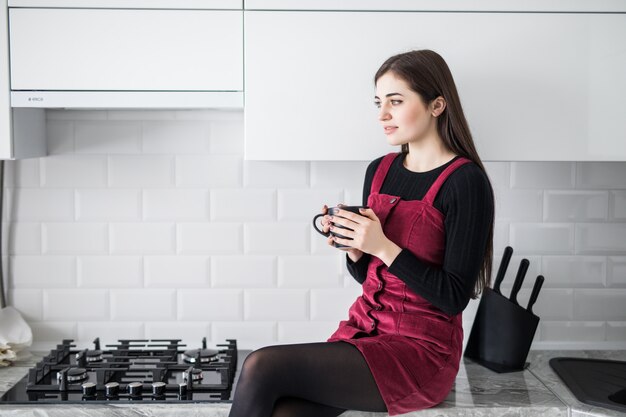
177	271
574	271
75	304
28	302
598	175
209	238
542	238
556	331
243	205
226	137
104	137
146	238
499	174
576	206
182	205
149	223
334	304
501	238
616	331
215	171
190	332
542	175
275	174
74	171
23	238
338	174
276	238
310	271
519	205
59	137
175	137
601	239
50	333
108	205
127	171
248	335
43	271
243	271
110	271
23	173
302	205
552	304
284	305
305	331
617	206
616	271
74	238
143	304
210	305
349	281
352	196
109	332
37	204
319	244
600	304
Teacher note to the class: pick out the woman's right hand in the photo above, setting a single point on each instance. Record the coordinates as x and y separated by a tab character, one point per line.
353	254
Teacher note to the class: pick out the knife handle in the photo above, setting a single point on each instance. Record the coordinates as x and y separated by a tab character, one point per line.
535	293
519	279
504	264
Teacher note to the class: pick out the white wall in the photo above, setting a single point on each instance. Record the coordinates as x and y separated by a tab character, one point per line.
150	225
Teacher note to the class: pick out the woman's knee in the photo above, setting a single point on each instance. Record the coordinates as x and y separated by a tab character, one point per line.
258	364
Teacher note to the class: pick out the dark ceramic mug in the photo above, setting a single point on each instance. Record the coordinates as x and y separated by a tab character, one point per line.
332	212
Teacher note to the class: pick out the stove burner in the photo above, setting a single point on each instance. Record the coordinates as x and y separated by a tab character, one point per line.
94	356
196	375
74	375
206	355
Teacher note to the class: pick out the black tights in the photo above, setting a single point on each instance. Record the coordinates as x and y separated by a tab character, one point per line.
305	380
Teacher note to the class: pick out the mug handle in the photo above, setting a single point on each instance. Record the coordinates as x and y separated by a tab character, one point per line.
315	226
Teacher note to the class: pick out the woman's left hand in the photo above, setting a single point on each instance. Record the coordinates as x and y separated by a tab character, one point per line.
367	234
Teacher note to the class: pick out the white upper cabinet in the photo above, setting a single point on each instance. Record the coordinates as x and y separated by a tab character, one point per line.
534	86
126	49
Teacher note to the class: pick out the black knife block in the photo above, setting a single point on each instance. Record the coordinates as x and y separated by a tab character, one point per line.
501	334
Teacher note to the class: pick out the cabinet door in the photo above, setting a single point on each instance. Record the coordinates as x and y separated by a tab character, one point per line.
534	86
126	49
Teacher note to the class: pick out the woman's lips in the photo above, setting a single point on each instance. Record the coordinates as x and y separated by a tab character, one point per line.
389	130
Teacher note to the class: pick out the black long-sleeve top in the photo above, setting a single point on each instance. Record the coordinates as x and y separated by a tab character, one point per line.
466	200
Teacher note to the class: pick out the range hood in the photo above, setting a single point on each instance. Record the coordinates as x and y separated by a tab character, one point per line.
72	56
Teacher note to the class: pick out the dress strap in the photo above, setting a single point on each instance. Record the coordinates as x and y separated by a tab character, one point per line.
381	171
429	198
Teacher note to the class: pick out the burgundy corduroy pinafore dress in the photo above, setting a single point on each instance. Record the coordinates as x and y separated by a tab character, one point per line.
412	348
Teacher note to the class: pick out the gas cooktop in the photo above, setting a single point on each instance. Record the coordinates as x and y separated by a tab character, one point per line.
130	370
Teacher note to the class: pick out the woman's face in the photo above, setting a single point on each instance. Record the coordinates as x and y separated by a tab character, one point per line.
403	114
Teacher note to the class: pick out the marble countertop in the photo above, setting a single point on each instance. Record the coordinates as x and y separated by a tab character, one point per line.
478	391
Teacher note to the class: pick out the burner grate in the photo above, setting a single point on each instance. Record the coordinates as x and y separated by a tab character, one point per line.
132	369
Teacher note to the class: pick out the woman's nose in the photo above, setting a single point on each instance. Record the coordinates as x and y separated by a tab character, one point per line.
383	114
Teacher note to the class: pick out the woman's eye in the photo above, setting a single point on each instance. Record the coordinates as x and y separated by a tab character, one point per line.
394	102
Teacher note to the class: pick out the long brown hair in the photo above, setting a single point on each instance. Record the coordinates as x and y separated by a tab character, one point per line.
427	74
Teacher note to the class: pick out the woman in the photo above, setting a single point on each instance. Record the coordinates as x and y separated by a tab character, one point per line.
421	250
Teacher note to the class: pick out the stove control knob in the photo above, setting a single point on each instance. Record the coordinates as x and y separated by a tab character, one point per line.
112	389
182	389
135	388
89	389
158	389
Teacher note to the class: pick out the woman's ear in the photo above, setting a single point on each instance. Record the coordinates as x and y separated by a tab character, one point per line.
438	106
